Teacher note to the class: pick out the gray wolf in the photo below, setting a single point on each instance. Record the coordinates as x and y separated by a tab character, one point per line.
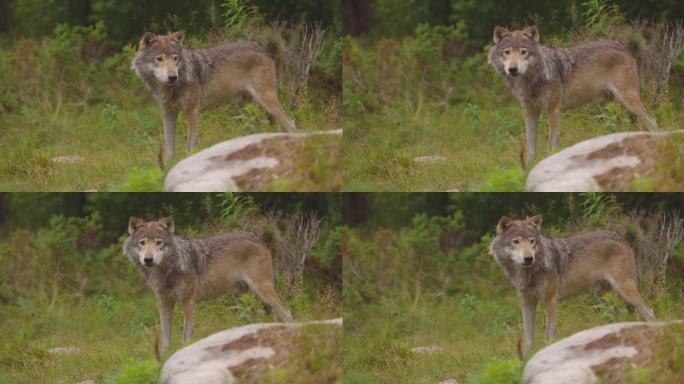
545	269
546	79
183	79
183	270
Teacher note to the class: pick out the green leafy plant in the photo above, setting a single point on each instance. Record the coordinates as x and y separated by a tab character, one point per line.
141	179
138	371
504	179
501	371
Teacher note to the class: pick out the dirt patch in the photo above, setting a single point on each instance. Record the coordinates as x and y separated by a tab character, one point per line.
642	338
646	148
291	163
279	339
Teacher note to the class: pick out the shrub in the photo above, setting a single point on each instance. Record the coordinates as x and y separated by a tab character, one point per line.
139	371
501	371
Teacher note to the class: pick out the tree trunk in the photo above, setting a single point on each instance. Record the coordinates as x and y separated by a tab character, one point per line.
355	207
356	16
4	15
79	12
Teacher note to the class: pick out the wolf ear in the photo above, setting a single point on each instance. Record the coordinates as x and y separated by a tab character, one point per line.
167	223
534	221
134	224
500	33
148	39
504	224
532	32
177	37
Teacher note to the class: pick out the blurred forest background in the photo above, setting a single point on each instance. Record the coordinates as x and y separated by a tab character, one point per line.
67	89
416	83
65	282
418	273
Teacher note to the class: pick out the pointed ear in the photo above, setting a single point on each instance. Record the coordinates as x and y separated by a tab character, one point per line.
134	224
504	224
532	32
148	39
500	33
177	37
167	224
534	221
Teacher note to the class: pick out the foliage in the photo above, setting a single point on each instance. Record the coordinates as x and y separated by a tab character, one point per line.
502	371
504	180
140	179
126	19
137	371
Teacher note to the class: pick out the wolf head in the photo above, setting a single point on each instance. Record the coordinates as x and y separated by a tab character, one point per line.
517	240
150	243
160	56
515	51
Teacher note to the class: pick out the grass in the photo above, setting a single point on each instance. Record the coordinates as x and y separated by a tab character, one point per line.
459	110
117	332
112	140
479	341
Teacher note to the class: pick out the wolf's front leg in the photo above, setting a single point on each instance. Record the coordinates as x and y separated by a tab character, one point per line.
193	126
189	315
531	124
554	126
169	117
165	316
529	305
551	316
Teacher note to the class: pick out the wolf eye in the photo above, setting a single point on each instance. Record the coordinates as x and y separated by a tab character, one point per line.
141	242
175	58
507	51
159	58
159	242
523	51
516	241
532	240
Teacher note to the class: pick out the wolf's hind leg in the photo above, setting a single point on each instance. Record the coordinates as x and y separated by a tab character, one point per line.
628	291
266	292
628	95
268	99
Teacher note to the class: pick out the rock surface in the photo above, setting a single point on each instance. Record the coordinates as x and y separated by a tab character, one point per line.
601	354
239	354
64	350
433	159
427	349
67	159
605	163
249	163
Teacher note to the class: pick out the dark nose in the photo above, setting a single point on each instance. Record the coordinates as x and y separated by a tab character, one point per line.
173	78
148	261
528	260
513	70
